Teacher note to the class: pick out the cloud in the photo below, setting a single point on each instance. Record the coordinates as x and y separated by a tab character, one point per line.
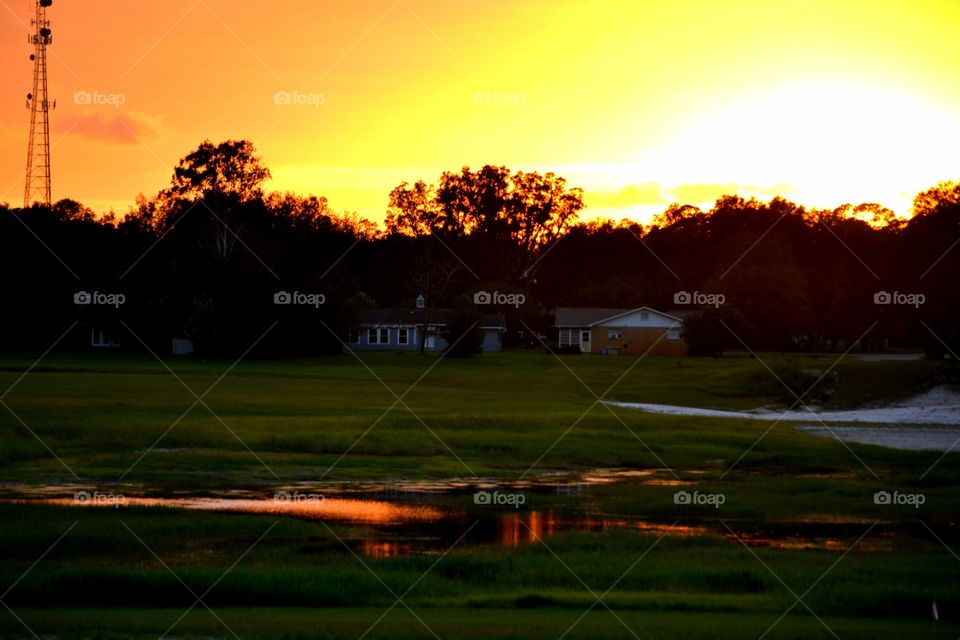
118	128
702	193
644	193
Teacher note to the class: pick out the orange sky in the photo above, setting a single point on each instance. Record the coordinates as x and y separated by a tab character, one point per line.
641	103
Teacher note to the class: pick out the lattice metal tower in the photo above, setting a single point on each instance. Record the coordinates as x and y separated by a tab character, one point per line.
37	187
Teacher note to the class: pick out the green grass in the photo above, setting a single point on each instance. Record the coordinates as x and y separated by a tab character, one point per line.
107	560
503	415
455	624
499	414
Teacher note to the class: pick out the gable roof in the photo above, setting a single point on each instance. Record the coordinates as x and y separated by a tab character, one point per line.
591	316
630	311
583	316
410	316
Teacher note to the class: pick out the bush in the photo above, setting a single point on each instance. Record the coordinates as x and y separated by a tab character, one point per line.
463	332
710	331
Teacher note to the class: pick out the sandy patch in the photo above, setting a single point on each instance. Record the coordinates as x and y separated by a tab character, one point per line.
910	439
939	406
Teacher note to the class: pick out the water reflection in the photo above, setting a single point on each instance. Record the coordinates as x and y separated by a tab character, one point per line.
514	528
384	549
387	529
371	512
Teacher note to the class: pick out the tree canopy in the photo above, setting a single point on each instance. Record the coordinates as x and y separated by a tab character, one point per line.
203	258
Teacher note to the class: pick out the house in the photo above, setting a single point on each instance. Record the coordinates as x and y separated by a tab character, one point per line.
619	331
401	329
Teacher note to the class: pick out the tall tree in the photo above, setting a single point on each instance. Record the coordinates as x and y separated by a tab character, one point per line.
216	190
413	210
231	168
512	215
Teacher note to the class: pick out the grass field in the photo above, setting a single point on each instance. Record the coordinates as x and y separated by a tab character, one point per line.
121	423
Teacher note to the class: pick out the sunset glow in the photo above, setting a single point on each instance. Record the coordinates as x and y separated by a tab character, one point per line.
641	104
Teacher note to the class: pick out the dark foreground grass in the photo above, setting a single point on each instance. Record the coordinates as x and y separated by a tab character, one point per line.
455	624
148	558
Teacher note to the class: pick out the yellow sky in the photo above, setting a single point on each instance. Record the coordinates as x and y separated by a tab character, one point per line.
641	103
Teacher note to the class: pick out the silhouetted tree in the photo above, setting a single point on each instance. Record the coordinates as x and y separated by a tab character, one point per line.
413	210
204	257
463	333
708	332
514	216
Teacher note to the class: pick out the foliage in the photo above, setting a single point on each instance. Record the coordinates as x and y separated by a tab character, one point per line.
205	256
710	331
463	332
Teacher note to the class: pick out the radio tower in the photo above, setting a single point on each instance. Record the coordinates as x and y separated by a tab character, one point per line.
37	188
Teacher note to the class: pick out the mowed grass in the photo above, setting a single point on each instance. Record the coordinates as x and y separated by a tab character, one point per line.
408	416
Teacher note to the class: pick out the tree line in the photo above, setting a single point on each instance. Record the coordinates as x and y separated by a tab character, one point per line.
206	257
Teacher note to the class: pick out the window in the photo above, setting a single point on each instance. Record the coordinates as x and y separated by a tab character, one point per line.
613	334
378	336
104	338
644	316
585	336
673	334
403	336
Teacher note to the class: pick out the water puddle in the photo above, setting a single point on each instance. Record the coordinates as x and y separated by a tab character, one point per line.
387	529
561	483
308	506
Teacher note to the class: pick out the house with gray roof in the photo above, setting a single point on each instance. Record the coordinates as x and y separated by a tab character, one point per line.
402	329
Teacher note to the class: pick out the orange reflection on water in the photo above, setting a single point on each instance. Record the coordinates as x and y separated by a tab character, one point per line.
515	528
381	549
315	507
799	543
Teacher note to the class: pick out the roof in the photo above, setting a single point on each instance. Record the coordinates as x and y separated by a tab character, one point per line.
584	316
589	316
408	315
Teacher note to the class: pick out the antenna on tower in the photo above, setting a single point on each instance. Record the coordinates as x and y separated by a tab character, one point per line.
37	187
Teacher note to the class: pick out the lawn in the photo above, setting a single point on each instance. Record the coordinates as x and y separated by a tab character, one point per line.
501	415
